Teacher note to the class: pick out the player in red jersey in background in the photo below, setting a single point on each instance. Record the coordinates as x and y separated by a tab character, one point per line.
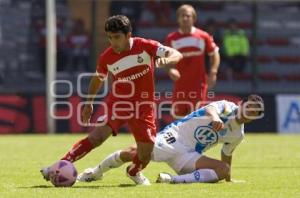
192	81
130	61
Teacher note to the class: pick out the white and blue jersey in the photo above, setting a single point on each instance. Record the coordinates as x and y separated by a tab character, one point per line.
192	135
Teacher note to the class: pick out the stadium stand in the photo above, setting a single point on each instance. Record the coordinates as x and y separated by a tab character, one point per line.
278	41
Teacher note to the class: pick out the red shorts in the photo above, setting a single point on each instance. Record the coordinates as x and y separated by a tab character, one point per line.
188	101
141	123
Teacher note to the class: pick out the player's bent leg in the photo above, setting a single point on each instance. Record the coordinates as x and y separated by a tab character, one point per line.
93	174
83	146
114	160
144	151
144	132
222	169
197	176
204	170
142	158
95	138
99	135
140	161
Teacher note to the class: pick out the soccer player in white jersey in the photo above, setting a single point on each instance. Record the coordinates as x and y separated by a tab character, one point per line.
182	143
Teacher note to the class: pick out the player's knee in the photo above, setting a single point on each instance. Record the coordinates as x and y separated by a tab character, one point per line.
127	154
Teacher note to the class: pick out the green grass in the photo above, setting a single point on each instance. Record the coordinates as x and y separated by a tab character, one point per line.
270	164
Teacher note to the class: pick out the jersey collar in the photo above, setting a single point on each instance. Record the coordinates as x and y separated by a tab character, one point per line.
130	43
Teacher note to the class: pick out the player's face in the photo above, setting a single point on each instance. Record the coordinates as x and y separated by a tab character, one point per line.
248	112
119	41
185	18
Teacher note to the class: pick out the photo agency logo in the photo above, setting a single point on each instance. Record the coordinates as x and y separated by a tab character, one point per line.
124	109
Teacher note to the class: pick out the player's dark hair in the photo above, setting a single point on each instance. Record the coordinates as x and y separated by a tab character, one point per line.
254	98
118	23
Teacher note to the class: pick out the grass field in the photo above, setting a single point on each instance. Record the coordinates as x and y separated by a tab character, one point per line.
270	165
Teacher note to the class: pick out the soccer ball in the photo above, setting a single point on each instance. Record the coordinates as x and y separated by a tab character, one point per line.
62	174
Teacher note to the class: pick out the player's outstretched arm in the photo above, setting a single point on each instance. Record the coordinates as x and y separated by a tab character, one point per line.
172	57
227	159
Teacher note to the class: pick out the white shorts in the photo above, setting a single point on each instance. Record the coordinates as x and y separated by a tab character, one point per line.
181	158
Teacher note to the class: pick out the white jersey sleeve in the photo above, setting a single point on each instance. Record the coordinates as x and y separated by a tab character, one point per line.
224	108
228	148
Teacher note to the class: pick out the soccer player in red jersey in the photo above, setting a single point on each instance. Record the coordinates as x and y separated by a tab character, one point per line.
131	62
191	85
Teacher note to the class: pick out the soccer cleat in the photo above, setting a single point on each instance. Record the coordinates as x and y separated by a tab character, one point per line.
164	178
45	173
139	179
90	174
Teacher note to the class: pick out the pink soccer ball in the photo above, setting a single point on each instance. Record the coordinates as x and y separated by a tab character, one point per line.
63	174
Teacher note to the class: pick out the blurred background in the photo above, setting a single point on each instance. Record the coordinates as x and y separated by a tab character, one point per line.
270	66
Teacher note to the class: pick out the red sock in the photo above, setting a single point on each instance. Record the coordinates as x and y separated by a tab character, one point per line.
136	166
79	149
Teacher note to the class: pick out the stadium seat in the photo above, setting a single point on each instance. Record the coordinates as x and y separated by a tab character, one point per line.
245	25
277	42
292	77
270	24
212	6
258	41
295	40
264	59
268	77
288	59
292	25
242	76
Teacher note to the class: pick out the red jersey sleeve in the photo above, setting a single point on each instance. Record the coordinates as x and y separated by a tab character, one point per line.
151	46
101	69
211	46
156	49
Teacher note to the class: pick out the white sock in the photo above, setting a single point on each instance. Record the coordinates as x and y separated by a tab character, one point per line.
111	161
200	175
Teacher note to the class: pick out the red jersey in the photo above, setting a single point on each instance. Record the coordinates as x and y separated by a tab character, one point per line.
193	46
132	70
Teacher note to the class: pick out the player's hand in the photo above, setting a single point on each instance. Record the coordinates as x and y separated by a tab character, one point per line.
87	113
212	79
217	125
174	74
161	62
